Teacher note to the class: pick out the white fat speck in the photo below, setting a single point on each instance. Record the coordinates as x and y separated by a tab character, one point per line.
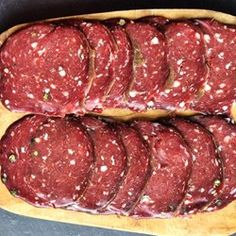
103	168
47	90
145	137
33	176
207	87
23	150
113	141
70	151
130	193
167	91
30	95
132	94
105	193
7	102
6	70
222	85
45	136
198	36
79	82
224	108
145	199
72	162
207	38
218	38
34	44
186	202
180	61
186	163
41	52
182	104
76	78
100	42
178	34
154	41
176	84
77	187
53	86
61	71
43	185
201	190
221	55
14	91
227	66
233	191
66	94
87	153
37	140
150	103
112	160
44	158
226	139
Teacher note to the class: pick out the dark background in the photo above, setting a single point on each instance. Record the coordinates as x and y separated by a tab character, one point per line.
13	12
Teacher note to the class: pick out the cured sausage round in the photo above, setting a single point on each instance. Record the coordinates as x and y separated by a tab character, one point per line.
219	92
122	72
109	167
138	171
102	46
45	70
150	65
225	138
171	167
188	70
206	177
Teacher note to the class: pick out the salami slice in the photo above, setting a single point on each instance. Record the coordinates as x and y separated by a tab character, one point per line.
62	156
45	70
171	167
206	177
150	66
188	70
225	138
102	44
14	156
219	91
122	69
137	174
109	168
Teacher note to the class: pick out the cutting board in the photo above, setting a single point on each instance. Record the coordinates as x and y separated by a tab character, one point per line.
222	222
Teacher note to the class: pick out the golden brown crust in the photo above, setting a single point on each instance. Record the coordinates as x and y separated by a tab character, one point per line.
217	223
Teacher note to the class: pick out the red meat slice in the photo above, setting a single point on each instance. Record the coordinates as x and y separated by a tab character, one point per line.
108	170
122	69
150	68
102	45
54	166
219	92
137	173
44	70
14	156
62	158
188	70
225	138
206	177
171	167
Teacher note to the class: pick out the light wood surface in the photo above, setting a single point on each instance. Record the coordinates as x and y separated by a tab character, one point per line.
218	223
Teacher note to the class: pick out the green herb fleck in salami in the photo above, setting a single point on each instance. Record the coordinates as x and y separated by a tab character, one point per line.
12	158
35	153
217	183
14	192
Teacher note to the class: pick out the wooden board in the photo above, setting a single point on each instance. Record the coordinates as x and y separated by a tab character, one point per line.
218	223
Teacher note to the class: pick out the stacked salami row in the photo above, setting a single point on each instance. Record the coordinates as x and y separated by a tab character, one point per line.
76	66
140	169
